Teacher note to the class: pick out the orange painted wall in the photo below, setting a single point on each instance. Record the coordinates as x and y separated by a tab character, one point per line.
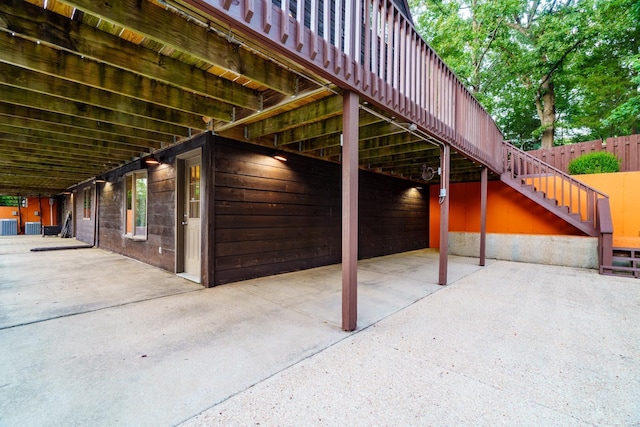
28	214
508	212
623	189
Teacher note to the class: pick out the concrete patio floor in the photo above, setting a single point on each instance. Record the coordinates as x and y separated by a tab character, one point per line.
92	338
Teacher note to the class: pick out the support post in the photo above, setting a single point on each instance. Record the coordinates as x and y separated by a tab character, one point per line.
443	199
483	215
605	241
349	210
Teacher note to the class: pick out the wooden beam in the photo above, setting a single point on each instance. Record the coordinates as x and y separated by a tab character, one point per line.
411	161
122	134
175	31
18	175
382	146
329	126
32	158
415	172
322	143
31	190
30	99
47	148
350	212
88	166
379	132
90	136
399	144
140	72
42	83
309	113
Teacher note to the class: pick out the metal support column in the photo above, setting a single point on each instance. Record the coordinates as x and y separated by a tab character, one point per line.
349	210
443	199
483	214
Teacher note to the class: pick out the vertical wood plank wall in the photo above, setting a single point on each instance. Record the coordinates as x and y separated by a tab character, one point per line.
272	217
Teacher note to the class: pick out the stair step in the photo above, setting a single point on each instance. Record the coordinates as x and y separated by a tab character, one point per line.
533	191
626	263
576	217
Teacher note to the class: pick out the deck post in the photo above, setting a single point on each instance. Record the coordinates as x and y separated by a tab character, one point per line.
444	214
483	215
349	210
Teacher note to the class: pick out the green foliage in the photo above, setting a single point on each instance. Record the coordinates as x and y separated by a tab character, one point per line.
9	200
503	50
595	162
628	112
141	201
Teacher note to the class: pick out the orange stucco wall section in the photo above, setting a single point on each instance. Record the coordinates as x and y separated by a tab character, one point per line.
28	214
509	212
623	189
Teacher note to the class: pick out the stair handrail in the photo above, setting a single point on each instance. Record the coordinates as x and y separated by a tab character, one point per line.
521	165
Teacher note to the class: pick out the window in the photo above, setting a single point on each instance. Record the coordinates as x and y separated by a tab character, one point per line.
194	191
135	205
86	203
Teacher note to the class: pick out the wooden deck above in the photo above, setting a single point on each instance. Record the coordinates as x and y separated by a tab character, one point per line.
88	86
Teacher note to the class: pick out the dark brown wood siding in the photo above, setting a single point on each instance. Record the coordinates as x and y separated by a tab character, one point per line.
393	215
84	227
273	217
161	220
267	217
161	209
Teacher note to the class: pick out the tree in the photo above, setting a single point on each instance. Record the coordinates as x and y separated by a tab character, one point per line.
628	113
537	65
9	200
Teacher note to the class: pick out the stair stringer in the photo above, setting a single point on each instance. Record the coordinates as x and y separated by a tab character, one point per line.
540	198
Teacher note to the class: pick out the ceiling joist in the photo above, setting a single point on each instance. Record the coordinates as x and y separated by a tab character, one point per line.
87	86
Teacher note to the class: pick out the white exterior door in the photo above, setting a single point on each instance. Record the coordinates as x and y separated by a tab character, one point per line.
191	221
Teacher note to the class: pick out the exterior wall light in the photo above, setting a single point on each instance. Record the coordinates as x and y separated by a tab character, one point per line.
279	155
151	160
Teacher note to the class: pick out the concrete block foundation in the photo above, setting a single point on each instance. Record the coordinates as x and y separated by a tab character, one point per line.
569	251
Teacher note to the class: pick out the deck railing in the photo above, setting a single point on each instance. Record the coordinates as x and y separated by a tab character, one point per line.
370	46
577	197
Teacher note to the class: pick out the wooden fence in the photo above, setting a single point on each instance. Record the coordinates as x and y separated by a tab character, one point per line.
626	148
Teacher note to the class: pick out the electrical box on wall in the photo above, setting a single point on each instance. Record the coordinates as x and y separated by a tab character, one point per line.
36	213
14	213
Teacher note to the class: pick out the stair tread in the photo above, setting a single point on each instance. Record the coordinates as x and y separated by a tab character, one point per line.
530	190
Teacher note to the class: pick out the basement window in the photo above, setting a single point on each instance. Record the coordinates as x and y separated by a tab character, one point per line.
135	205
86	203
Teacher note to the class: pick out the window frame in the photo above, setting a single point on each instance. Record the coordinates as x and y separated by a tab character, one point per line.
87	203
131	178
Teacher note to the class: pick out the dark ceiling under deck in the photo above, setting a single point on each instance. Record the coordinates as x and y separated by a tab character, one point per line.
88	86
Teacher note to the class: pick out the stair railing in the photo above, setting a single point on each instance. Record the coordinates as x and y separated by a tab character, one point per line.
577	197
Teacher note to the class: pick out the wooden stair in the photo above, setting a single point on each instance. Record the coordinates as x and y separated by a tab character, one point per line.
625	262
586	208
550	203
